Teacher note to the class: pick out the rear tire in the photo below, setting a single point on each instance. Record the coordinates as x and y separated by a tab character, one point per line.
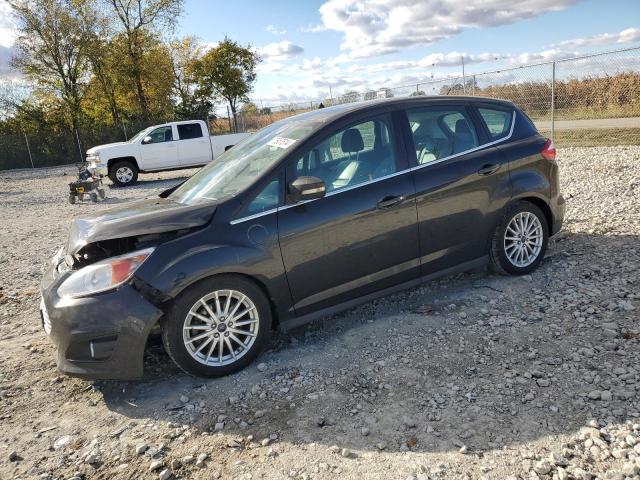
208	337
123	173
72	199
520	241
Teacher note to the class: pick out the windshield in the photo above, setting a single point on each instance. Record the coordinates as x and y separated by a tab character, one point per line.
140	135
237	168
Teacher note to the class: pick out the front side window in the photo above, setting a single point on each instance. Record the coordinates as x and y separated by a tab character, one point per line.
161	134
498	122
357	154
241	166
440	132
267	199
189	130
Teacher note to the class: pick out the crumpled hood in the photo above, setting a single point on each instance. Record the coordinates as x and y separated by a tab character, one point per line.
106	146
155	215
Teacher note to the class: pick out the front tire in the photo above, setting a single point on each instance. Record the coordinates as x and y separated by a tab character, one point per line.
123	173
217	326
520	241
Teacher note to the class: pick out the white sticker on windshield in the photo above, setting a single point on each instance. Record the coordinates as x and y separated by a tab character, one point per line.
281	142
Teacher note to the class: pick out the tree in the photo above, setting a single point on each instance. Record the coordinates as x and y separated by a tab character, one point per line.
103	61
138	18
228	71
52	48
185	54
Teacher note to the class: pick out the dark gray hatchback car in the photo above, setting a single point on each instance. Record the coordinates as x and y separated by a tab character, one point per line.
309	216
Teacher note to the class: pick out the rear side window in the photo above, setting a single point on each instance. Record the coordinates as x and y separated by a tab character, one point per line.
189	130
498	122
440	132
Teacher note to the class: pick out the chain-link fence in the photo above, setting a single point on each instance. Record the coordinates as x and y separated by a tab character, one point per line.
581	101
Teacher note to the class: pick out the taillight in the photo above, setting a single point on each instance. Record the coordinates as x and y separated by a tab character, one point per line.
549	150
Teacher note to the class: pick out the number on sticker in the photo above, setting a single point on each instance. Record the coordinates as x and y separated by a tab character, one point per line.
281	142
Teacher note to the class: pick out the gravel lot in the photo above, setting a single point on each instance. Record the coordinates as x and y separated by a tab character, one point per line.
473	376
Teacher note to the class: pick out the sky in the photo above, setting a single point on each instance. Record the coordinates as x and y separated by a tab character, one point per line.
313	49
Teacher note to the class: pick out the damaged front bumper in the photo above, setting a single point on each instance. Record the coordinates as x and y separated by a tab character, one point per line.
102	336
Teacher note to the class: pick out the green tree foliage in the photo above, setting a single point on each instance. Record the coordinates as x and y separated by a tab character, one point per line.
227	71
53	45
191	103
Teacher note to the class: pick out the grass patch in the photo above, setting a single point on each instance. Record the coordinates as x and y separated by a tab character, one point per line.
596	137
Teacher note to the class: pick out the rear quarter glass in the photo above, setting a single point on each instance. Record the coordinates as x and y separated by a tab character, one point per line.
498	122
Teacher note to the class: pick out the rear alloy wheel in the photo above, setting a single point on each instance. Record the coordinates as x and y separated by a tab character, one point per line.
520	241
123	173
217	327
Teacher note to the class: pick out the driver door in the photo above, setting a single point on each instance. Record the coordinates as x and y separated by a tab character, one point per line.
362	236
161	152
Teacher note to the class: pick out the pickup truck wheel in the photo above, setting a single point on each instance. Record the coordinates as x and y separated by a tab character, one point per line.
217	327
123	173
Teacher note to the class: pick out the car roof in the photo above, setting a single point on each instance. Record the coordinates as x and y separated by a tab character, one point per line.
325	115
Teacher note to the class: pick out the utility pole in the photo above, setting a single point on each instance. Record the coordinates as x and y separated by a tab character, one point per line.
464	78
331	94
28	148
553	99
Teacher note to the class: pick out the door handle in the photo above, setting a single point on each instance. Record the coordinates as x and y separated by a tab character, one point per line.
390	201
489	169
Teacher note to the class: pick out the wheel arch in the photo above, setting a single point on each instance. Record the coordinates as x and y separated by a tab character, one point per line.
539	202
111	161
275	318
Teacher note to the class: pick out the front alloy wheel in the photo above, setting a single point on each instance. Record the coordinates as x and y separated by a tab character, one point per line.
221	327
217	326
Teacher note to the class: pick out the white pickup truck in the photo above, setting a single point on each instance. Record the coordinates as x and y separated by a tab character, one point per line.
169	146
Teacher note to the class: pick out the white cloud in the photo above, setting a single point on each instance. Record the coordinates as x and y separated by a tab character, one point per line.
537	57
8	34
312	29
8	31
274	30
377	27
625	36
284	49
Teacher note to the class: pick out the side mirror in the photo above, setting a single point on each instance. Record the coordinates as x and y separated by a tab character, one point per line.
306	188
147	139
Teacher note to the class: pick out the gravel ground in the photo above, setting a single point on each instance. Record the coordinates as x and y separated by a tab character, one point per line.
473	376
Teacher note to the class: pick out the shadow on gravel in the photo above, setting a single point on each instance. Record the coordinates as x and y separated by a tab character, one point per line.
153	184
474	360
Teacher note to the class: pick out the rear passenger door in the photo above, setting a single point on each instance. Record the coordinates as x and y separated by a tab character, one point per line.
193	145
461	185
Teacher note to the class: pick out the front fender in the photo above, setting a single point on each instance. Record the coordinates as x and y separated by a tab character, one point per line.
229	249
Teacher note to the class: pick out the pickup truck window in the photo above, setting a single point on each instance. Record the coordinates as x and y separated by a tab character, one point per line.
189	130
162	134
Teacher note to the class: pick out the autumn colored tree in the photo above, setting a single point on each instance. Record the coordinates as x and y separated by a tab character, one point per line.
227	71
139	19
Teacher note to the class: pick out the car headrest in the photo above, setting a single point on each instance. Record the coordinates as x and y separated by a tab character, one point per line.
352	141
462	128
